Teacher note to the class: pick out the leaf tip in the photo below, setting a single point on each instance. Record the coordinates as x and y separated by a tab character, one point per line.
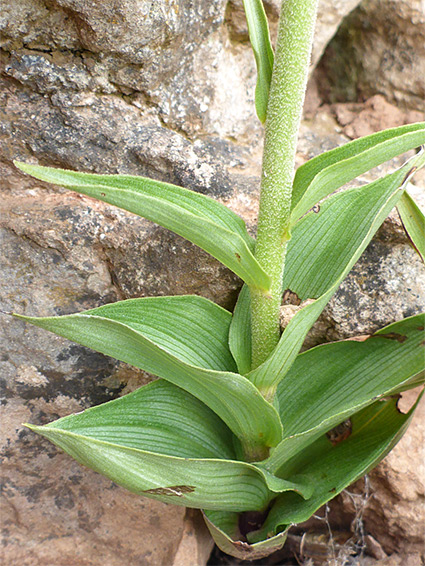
32	427
25	167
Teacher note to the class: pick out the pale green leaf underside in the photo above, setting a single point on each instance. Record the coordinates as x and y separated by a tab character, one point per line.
263	52
326	173
323	249
413	221
142	332
209	484
158	417
375	431
329	383
198	218
163	443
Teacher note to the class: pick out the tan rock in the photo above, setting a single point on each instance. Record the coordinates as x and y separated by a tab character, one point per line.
196	543
380	49
56	513
395	514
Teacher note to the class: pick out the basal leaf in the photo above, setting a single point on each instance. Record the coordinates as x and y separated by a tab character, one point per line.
198	218
324	174
160	418
323	248
333	467
413	222
163	443
183	340
199	483
261	45
329	383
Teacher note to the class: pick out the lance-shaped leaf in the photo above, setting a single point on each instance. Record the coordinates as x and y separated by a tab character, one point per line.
326	173
329	383
413	222
163	443
182	339
198	218
259	36
323	248
332	467
240	342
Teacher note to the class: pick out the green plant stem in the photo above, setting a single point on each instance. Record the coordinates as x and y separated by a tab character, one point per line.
287	91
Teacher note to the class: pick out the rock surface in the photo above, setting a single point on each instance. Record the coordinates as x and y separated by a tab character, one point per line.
329	17
163	89
380	48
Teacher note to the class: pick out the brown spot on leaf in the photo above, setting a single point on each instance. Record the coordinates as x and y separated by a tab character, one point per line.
316	208
242	545
340	432
175	490
238	257
103	194
392	336
420	328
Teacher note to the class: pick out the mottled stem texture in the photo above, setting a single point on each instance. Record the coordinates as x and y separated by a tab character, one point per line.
287	91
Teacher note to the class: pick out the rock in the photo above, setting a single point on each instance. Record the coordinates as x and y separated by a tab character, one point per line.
395	514
329	17
376	114
162	89
196	543
396	560
83	247
379	49
180	68
385	285
56	512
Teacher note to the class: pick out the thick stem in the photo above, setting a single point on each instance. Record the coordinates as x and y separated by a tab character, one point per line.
290	71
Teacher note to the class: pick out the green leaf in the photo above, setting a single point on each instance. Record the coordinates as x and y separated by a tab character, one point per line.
159	418
183	340
163	443
332	468
263	52
198	218
413	222
240	332
329	383
324	174
323	248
